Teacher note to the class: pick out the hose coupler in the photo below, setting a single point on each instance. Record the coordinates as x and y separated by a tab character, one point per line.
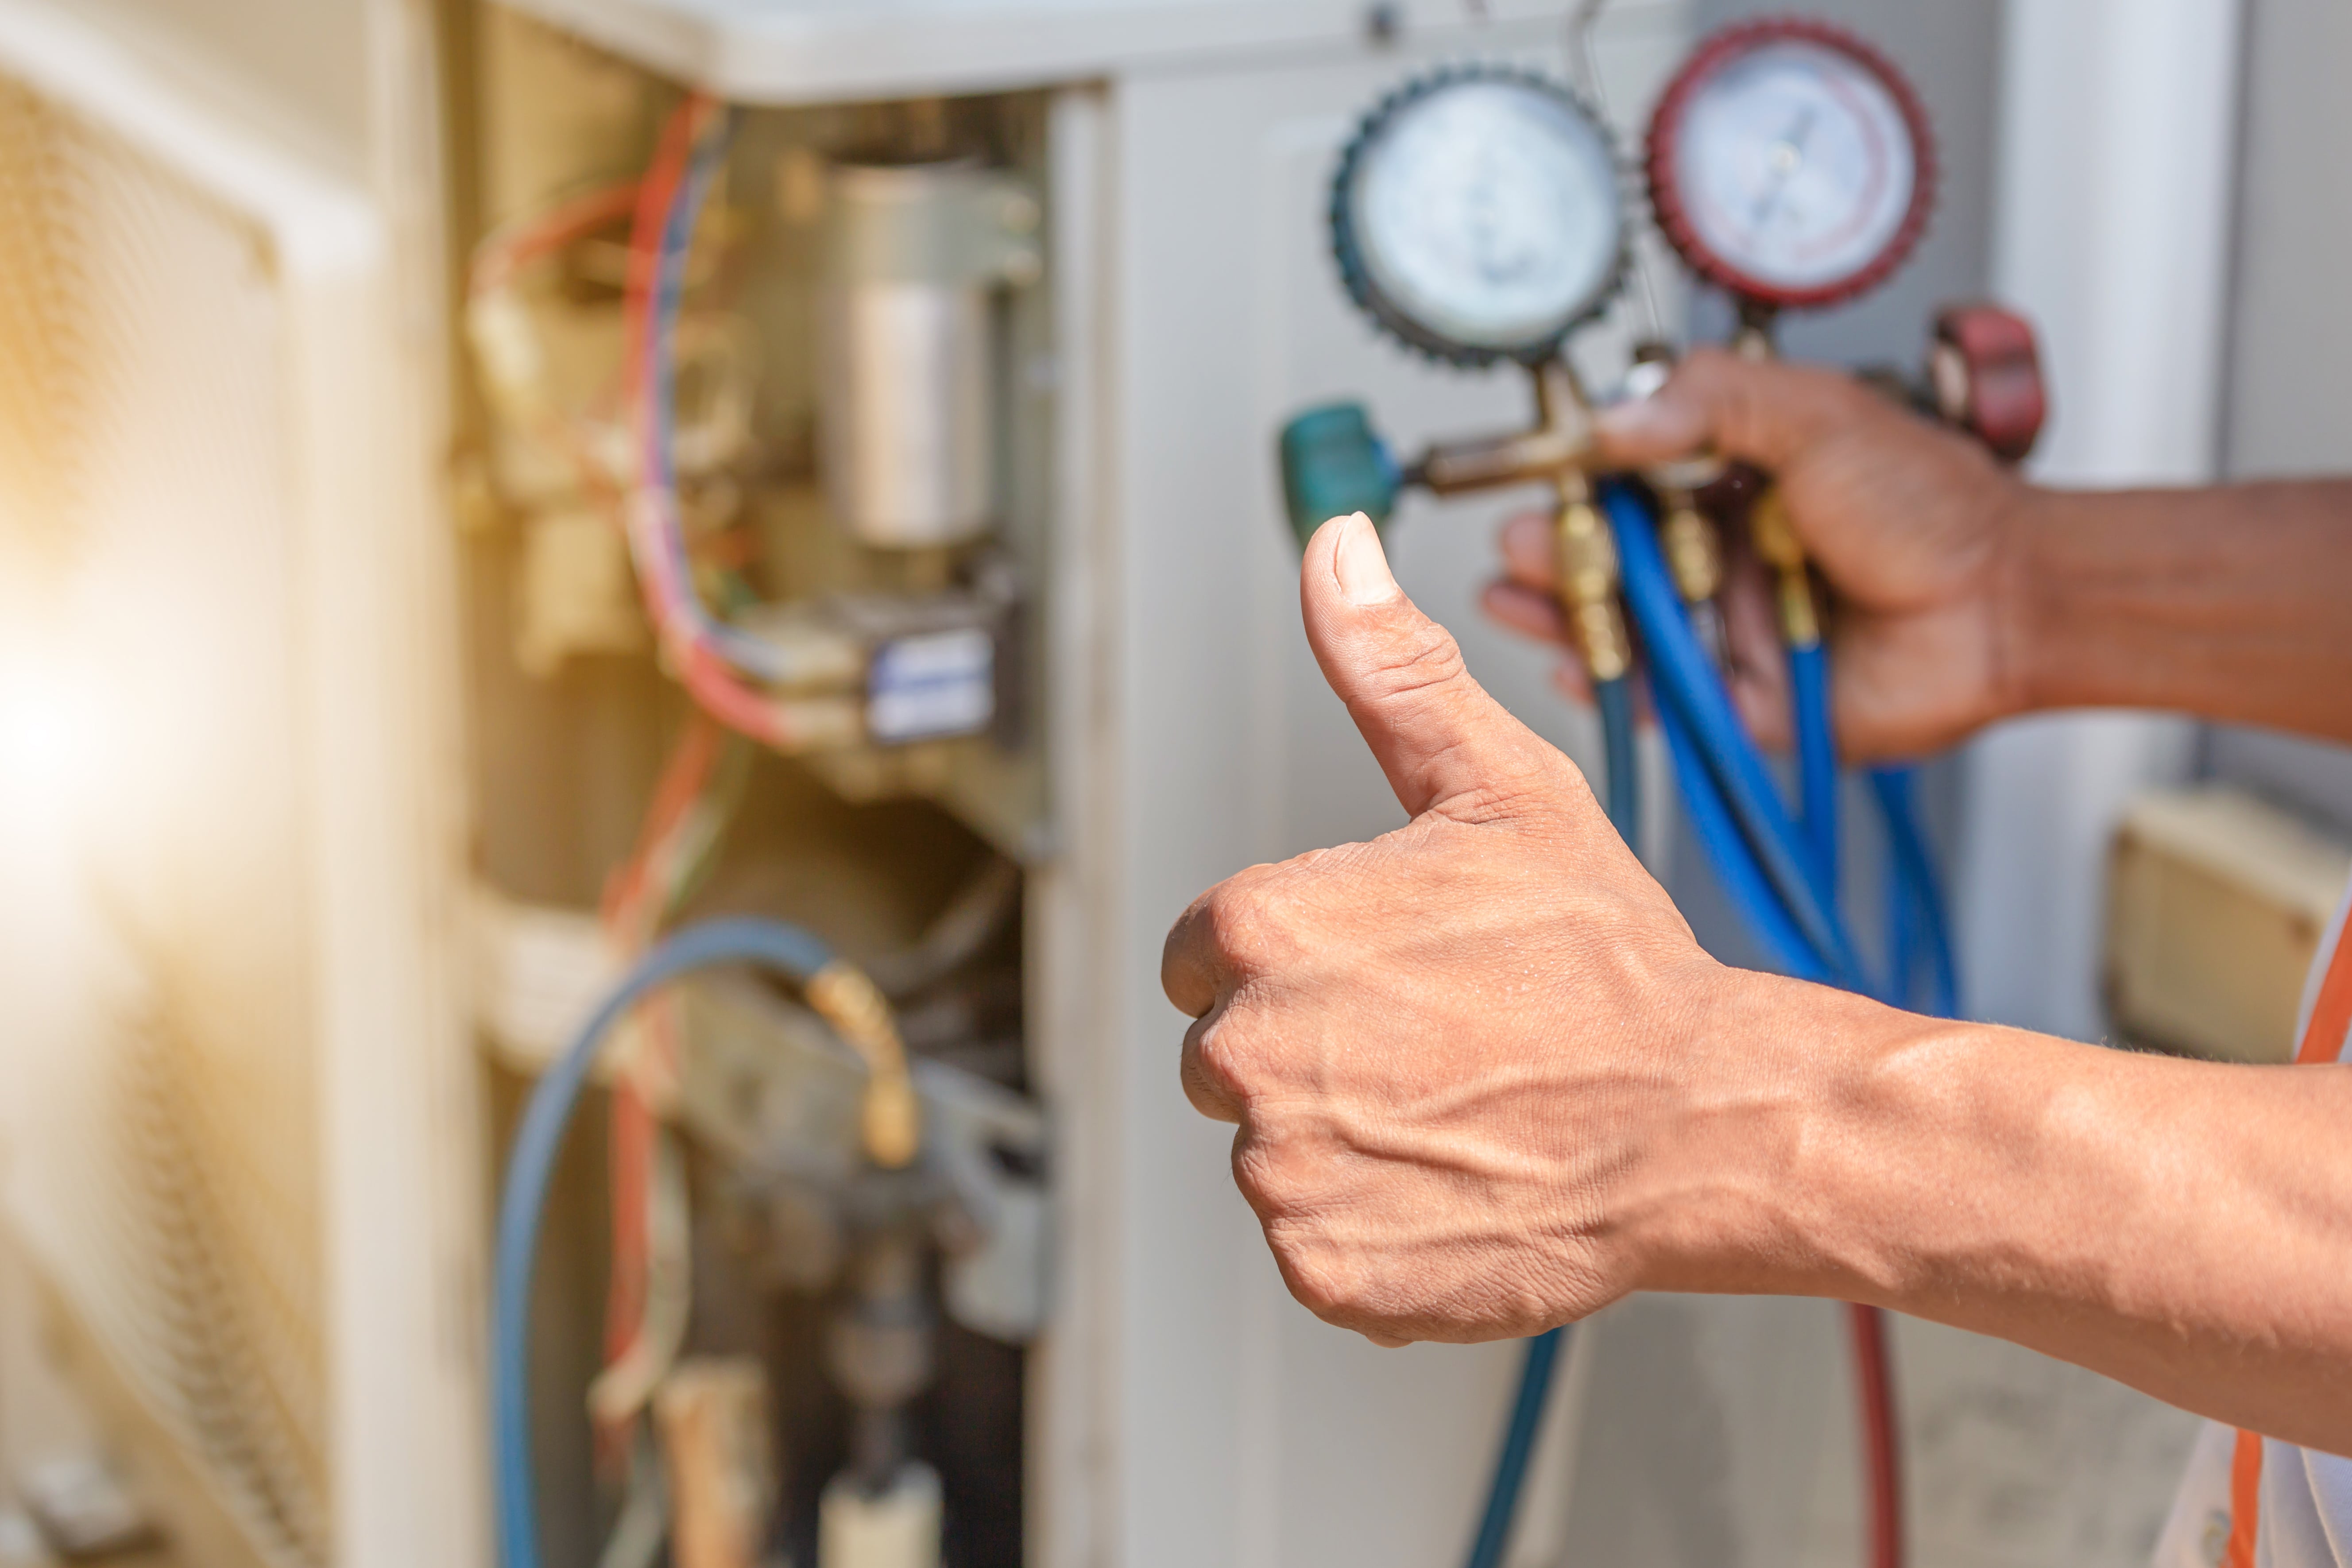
1776	541
1588	583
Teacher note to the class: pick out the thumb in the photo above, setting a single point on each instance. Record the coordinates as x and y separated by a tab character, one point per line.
1445	745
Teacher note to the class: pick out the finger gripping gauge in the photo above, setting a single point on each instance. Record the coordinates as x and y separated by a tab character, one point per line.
1792	165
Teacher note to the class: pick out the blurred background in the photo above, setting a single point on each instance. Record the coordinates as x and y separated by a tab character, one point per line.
469	506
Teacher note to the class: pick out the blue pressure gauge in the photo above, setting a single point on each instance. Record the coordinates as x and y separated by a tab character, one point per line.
1478	215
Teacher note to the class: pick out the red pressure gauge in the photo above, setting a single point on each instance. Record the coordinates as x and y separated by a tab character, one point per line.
1792	165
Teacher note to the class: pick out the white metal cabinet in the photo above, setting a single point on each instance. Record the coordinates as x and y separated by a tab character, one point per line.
1246	1431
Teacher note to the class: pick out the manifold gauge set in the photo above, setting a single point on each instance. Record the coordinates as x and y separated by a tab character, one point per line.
1481	214
1481	211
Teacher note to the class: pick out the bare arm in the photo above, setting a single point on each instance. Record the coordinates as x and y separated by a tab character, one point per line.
2185	1227
2233	603
1484	1081
1964	596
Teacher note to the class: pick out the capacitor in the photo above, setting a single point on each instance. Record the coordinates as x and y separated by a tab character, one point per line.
915	258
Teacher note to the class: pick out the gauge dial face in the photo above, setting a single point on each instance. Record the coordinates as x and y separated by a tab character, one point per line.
1792	165
1483	215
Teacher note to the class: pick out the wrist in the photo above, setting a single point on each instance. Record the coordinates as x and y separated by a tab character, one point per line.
1765	1181
2024	527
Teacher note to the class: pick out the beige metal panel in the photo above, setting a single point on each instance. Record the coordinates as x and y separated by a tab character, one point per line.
1245	1432
2289	394
1073	905
2290	384
806	51
295	68
2218	903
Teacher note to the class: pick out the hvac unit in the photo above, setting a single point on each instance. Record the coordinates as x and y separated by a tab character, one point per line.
235	1131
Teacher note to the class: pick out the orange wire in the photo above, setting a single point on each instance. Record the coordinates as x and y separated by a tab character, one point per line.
684	778
510	249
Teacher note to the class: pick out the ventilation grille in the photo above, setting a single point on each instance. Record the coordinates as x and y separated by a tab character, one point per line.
162	1143
45	336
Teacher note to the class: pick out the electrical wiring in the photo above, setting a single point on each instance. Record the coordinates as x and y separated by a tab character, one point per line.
627	1384
513	247
641	1531
645	1302
499	327
715	662
784	949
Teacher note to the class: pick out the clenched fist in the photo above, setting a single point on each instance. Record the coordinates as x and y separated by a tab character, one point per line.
1476	1064
1921	534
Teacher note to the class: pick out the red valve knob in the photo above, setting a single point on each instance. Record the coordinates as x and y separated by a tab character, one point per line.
1985	372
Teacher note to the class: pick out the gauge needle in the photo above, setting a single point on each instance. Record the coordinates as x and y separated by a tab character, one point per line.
1787	157
1488	232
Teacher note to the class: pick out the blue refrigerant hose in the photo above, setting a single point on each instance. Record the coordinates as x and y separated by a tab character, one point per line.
1779	873
1917	925
1685	679
768	944
1743	884
1916	931
1722	775
1752	844
1817	761
1616	700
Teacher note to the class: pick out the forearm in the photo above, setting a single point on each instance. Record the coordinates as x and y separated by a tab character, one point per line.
2185	1227
2231	604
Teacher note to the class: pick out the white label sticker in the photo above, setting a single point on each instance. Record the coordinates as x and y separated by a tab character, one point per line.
922	688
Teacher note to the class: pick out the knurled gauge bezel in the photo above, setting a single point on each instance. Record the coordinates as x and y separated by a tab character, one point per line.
1392	318
1725	48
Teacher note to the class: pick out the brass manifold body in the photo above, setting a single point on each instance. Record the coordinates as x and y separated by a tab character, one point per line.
1557	452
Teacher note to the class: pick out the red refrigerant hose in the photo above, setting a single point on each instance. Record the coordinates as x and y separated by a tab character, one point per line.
1881	1442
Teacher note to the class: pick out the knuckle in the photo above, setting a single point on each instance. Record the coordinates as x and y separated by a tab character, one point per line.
1267	1177
1247	919
1223	1059
1322	1281
1236	919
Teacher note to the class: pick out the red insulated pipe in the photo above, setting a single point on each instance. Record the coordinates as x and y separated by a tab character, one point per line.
1882	1441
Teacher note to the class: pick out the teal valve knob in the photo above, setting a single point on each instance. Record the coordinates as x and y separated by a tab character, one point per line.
1333	464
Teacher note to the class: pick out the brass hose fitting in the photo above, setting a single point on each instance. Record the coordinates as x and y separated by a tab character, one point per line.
1587	584
890	1118
1694	555
1776	541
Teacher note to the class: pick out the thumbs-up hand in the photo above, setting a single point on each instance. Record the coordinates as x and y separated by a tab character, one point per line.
1472	1061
